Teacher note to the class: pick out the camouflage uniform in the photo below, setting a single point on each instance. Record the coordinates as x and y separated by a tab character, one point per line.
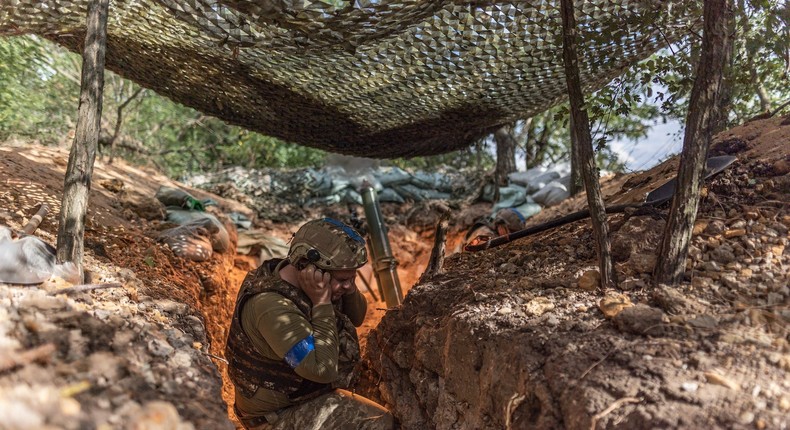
339	409
505	221
269	392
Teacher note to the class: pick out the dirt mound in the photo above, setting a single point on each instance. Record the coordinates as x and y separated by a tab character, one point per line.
135	351
520	336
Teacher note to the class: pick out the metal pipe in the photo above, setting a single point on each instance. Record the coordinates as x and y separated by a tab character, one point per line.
384	263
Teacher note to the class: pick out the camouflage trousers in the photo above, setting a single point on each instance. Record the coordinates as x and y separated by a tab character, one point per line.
339	409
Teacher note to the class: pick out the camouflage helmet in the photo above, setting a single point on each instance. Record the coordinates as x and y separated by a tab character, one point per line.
329	244
509	218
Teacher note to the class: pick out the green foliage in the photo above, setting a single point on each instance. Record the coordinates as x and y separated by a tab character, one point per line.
184	141
658	88
39	97
36	102
614	113
757	79
39	89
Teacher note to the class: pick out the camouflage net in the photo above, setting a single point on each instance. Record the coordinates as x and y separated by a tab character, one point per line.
376	78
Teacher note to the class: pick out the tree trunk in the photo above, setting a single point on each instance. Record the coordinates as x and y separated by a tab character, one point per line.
541	146
740	10
762	93
77	183
436	261
582	141
576	175
119	122
505	154
703	115
529	132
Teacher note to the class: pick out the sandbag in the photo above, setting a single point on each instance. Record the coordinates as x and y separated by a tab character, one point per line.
390	195
240	220
28	260
220	237
537	183
553	193
395	176
352	197
523	178
529	209
435	195
320	184
192	240
423	180
179	198
264	245
322	201
488	192
448	184
411	192
538	177
510	196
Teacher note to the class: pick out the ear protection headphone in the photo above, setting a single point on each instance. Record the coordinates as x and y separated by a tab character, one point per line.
313	255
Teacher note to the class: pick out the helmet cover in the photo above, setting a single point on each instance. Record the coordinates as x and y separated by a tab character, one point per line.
510	218
329	245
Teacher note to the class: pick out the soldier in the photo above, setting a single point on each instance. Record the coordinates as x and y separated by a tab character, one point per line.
293	343
508	220
504	222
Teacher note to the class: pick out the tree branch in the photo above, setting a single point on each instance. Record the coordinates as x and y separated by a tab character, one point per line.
119	121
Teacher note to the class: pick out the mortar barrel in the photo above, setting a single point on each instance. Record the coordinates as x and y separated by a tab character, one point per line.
384	263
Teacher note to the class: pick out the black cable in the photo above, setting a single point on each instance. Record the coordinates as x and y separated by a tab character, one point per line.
576	216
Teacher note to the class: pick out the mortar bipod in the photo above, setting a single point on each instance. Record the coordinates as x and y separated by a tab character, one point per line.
384	263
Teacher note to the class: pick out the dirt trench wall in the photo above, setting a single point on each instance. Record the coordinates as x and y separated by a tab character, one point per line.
521	337
515	338
441	371
192	303
454	358
132	356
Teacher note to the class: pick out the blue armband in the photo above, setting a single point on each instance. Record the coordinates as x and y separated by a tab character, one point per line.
300	351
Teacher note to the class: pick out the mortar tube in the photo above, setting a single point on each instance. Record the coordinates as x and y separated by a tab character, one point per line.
384	263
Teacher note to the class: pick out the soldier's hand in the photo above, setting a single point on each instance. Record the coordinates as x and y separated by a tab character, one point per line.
315	283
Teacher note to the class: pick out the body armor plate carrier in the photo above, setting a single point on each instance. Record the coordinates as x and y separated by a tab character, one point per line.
249	370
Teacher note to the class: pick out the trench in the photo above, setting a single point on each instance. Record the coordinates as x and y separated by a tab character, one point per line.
411	248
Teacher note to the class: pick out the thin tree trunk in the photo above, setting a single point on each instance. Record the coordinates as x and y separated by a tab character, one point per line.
529	130
786	53
745	30
77	183
505	154
580	128
762	93
702	117
541	146
576	176
119	122
729	83
436	261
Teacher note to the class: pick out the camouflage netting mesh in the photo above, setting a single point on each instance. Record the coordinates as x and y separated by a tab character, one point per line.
377	78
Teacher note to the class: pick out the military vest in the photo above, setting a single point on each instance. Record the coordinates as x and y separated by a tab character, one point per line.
249	370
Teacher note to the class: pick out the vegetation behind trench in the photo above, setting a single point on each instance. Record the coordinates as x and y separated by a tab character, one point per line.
39	96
